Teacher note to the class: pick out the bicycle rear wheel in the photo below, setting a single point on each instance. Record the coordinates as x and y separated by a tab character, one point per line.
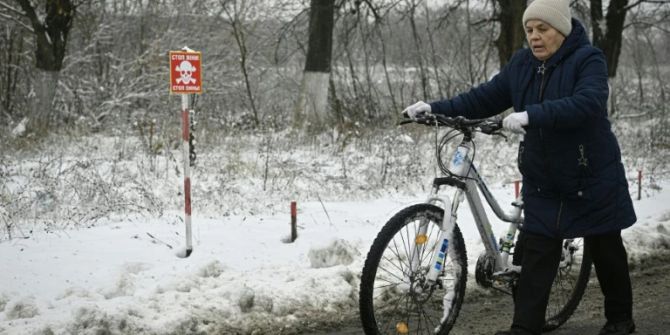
568	288
395	300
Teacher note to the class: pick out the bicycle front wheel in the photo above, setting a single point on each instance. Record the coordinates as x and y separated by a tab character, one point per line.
395	297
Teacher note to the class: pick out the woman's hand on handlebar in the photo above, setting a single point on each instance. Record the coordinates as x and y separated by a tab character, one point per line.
417	111
516	121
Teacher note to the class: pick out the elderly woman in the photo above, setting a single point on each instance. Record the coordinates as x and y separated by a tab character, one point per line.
573	179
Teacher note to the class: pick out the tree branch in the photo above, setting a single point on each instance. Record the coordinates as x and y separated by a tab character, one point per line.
374	11
10	8
485	20
638	2
653	24
29	12
14	17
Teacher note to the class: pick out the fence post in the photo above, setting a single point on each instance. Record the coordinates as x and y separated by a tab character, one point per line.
294	219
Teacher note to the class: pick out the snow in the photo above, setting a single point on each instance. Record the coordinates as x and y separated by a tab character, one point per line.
122	275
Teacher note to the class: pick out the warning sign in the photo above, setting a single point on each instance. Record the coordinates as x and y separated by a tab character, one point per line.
185	72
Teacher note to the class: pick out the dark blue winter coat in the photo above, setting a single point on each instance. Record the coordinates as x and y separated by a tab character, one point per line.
573	179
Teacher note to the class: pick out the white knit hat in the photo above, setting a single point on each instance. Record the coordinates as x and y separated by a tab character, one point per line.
554	12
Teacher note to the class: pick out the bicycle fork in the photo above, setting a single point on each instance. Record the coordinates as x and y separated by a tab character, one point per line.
445	236
458	165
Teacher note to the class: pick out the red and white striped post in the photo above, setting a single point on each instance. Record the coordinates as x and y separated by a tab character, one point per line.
185	79
187	172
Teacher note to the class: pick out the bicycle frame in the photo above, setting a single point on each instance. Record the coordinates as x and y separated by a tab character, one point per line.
399	296
467	181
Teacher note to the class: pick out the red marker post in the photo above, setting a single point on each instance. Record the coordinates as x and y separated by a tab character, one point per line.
185	79
294	221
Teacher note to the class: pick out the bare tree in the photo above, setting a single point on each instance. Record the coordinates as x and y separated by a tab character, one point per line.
235	11
412	6
608	29
51	34
511	36
313	96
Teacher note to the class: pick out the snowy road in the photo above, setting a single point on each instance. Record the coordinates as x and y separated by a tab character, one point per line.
651	289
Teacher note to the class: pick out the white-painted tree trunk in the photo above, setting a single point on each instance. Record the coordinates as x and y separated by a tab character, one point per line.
45	85
611	98
312	108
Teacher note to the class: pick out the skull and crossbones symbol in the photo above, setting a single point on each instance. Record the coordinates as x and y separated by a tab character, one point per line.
186	70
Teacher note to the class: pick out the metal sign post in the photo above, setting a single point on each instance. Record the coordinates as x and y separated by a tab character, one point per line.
185	78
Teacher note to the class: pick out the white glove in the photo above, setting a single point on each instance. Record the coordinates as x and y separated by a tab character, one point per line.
516	121
416	110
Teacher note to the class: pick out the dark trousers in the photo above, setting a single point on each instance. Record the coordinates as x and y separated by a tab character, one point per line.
539	261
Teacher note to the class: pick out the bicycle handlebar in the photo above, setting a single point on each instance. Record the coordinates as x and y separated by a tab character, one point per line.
486	126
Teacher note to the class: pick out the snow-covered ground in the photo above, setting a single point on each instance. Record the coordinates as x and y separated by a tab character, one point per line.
119	274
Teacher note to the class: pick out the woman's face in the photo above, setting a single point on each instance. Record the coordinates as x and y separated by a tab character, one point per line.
543	39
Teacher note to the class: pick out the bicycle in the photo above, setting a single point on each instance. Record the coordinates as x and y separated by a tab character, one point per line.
415	273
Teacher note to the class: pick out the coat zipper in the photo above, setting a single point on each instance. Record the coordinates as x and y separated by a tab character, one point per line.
541	70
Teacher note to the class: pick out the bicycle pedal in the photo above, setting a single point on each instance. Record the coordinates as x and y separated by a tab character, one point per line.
505	280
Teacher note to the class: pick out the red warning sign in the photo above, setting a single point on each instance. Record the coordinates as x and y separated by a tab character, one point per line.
185	72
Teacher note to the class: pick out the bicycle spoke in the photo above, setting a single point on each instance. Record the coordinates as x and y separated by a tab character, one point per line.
389	281
397	253
392	274
395	265
397	305
427	318
395	301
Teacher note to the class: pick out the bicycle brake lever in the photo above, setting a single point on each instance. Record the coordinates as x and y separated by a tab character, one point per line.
491	128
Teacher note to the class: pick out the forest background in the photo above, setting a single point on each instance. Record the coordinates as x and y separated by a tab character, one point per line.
324	75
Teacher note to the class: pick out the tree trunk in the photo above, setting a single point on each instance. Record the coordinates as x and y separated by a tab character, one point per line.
512	33
45	89
12	38
50	42
418	49
610	41
311	109
313	101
